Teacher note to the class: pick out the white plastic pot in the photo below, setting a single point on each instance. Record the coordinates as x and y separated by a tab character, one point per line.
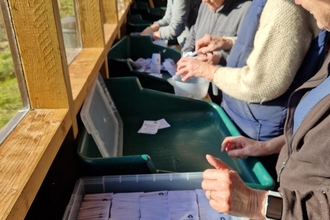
194	87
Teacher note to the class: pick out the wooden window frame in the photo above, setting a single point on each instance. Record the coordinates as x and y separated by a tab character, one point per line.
56	90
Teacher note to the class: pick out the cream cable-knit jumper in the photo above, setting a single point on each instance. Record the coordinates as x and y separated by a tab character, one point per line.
281	42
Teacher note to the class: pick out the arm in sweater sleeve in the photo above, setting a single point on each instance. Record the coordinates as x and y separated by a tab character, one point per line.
178	20
281	42
166	20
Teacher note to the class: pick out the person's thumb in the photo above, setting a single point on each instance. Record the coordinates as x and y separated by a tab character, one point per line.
216	162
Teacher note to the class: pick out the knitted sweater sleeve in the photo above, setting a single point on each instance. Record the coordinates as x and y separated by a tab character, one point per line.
178	20
281	42
166	19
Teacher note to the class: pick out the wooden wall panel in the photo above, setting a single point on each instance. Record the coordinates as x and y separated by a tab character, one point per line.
91	23
110	11
41	51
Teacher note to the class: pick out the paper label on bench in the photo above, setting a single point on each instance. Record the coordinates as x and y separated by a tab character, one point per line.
163	124
149	127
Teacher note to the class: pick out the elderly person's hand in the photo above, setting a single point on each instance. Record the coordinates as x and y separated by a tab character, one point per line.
210	57
229	194
151	29
146	31
191	67
210	43
242	147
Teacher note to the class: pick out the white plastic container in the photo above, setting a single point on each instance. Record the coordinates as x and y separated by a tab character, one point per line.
133	183
195	87
102	120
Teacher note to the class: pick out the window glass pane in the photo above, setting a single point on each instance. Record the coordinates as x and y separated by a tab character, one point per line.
70	29
11	103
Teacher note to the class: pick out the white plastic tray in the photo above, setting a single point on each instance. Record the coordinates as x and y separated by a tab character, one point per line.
102	120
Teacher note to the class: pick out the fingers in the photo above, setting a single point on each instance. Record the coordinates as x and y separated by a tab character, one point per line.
184	73
202	57
183	62
185	68
218	201
231	143
239	153
185	77
225	146
146	31
189	67
206	57
206	49
235	147
209	56
144	34
208	194
182	67
242	147
216	162
216	183
202	43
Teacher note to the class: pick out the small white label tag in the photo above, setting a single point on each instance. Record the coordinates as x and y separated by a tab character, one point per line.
149	127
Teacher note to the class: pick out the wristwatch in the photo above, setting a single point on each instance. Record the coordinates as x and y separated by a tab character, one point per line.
273	206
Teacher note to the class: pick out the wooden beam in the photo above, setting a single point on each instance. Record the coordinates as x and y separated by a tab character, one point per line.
83	72
122	19
26	156
110	11
110	19
91	23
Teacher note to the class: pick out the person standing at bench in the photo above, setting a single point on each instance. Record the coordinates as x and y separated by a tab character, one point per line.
179	17
219	18
303	165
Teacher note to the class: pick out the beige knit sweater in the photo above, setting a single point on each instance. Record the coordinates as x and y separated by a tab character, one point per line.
281	42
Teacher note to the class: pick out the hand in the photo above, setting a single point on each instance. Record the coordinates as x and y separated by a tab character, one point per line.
146	31
151	29
229	194
242	147
191	67
210	43
156	35
210	58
